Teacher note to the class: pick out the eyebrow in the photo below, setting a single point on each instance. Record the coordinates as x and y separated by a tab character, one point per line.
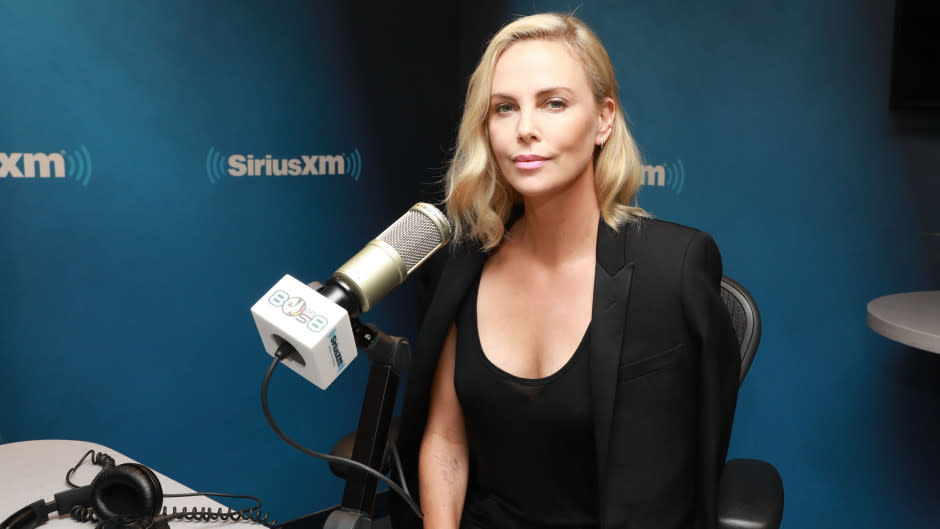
541	93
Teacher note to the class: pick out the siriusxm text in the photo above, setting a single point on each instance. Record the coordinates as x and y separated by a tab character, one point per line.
654	175
242	165
46	165
334	346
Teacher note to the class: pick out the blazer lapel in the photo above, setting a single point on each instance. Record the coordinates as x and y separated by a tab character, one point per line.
465	265
459	272
612	277
463	268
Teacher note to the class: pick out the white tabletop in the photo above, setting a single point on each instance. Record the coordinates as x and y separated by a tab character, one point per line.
34	470
912	318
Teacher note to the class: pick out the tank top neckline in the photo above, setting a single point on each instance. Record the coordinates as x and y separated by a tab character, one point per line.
515	378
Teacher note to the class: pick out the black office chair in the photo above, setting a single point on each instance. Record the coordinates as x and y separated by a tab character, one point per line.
750	493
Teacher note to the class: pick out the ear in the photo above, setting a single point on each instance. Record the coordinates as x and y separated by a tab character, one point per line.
605	120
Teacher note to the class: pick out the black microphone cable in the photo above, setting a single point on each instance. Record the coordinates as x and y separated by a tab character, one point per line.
285	350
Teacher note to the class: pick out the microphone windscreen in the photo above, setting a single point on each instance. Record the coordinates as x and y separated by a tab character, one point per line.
417	234
391	257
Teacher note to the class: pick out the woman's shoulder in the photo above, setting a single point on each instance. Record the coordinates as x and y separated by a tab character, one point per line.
663	233
676	247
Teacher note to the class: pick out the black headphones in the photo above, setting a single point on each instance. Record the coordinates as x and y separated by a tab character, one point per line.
129	494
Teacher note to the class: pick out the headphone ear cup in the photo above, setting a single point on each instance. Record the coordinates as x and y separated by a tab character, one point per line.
129	490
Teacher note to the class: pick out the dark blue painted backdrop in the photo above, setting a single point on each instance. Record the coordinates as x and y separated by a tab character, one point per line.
125	302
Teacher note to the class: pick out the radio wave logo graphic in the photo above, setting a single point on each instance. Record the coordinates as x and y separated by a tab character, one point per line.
79	165
675	176
215	165
353	164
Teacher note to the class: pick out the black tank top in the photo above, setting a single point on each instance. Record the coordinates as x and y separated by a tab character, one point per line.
532	454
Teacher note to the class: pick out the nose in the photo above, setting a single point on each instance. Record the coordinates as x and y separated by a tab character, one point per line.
527	128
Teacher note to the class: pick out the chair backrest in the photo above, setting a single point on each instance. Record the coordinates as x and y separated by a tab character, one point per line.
746	320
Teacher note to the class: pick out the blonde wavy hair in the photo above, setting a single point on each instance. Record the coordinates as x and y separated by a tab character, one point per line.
479	199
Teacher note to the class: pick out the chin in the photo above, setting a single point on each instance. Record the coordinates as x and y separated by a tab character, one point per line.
534	186
539	191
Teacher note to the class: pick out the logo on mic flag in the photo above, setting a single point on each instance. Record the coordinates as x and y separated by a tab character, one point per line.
220	165
337	356
295	307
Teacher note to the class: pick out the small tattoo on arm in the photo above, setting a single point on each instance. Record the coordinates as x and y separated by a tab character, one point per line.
449	468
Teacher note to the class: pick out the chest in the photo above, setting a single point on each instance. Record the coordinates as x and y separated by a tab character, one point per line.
530	319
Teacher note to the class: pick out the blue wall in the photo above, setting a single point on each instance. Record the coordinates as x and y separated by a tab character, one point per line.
125	301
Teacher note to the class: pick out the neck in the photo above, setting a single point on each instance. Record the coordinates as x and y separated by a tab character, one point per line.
560	227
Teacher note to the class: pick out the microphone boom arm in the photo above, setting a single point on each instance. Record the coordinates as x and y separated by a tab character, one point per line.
382	349
389	357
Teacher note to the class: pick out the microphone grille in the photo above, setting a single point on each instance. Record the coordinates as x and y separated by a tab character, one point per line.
420	232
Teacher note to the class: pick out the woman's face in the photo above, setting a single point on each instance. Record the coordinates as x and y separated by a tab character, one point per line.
543	121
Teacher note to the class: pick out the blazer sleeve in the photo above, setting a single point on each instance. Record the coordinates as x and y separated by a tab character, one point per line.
719	366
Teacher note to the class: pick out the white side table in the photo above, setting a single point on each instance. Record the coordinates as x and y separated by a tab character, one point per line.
911	318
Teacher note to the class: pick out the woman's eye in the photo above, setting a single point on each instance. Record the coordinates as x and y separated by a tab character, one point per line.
502	108
556	104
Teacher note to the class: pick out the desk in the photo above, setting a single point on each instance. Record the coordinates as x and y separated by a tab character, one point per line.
912	318
33	470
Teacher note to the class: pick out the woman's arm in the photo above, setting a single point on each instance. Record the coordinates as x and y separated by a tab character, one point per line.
443	463
719	364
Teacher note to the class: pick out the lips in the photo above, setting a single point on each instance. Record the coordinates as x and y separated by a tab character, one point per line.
529	161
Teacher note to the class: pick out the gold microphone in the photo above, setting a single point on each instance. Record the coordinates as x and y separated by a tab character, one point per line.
391	257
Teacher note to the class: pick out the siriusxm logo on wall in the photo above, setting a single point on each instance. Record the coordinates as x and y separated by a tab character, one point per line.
666	175
219	165
72	165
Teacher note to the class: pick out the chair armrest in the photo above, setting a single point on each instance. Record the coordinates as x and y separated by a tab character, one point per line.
750	495
342	448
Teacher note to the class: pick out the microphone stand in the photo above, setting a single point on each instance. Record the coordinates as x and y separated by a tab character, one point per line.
389	357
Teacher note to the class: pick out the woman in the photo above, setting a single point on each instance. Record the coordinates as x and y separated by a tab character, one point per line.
577	367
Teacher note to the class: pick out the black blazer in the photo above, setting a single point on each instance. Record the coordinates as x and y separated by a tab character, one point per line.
664	366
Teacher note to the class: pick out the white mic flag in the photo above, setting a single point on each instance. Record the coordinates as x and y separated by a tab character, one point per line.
316	327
